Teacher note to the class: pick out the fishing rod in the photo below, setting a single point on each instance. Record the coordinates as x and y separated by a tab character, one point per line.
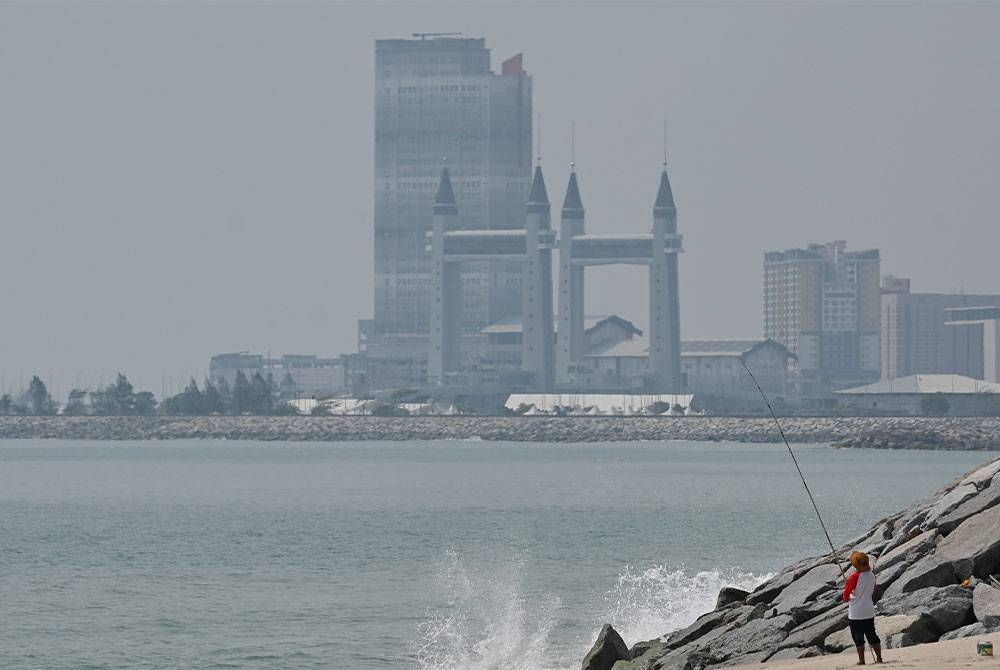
833	550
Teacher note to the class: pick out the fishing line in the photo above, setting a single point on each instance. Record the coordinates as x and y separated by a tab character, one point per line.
833	551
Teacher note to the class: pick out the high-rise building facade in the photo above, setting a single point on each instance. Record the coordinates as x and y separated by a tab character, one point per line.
437	102
823	303
917	337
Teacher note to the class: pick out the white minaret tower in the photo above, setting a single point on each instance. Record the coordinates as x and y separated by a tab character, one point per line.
570	335
536	290
664	293
446	295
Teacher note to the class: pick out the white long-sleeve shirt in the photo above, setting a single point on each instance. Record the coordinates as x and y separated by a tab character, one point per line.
858	593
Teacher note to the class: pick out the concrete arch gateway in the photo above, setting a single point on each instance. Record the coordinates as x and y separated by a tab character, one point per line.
549	359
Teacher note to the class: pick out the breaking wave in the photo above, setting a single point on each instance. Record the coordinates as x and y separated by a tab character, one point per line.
488	623
645	604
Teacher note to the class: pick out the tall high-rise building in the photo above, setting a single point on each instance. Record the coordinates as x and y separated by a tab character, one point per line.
917	337
437	101
823	303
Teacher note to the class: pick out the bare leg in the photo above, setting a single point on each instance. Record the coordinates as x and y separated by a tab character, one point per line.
861	654
878	652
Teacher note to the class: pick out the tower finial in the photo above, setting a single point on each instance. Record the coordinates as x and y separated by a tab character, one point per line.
664	142
572	146
538	140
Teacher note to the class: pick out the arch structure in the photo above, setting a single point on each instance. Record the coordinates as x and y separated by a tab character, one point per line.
451	246
657	250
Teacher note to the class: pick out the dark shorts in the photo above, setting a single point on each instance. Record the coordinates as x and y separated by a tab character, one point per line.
864	628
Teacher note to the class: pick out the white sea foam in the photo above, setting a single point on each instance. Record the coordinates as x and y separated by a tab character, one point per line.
645	604
487	623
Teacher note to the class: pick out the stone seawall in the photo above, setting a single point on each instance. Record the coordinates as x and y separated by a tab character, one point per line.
935	566
866	432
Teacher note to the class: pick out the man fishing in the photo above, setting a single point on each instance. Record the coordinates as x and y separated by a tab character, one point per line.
859	593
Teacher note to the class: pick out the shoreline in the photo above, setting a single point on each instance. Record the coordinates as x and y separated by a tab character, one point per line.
954	433
946	655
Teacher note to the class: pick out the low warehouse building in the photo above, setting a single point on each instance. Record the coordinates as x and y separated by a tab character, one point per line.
934	395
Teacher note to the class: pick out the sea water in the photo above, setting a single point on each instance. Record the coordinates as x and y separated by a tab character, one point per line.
404	556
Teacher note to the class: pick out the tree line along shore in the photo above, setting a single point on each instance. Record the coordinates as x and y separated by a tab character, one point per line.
956	433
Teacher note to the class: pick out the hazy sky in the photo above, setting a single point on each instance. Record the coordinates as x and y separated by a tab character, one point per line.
183	179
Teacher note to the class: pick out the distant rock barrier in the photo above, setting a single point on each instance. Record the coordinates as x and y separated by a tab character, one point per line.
933	568
965	433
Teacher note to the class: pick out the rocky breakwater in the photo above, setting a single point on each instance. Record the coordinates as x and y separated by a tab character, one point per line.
934	566
884	432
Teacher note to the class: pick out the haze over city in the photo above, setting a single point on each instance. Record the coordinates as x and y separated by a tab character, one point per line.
179	180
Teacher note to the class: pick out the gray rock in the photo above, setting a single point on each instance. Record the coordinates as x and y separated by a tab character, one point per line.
974	546
814	631
885	578
966	631
608	649
982	476
641	648
984	500
766	592
917	628
756	636
807	587
794	653
729	595
911	550
986	604
756	657
948	502
816	608
949	607
929	571
702	625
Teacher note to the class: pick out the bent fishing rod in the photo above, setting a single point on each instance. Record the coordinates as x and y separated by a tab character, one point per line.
833	550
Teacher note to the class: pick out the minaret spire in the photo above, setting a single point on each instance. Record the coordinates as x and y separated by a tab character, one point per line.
444	201
572	202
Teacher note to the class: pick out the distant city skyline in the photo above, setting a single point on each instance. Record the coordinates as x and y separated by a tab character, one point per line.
183	180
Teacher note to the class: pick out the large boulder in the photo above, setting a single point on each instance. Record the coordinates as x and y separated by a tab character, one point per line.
972	549
949	607
795	653
968	631
816	608
814	631
902	629
729	595
608	649
700	626
928	571
986	604
807	588
948	502
759	635
980	502
885	578
974	546
911	550
982	476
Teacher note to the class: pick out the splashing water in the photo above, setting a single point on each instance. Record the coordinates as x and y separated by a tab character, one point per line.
485	624
644	605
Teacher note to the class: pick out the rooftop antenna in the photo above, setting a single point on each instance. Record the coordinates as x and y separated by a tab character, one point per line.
424	36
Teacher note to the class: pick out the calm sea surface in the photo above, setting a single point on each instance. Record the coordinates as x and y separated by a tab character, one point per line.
433	555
